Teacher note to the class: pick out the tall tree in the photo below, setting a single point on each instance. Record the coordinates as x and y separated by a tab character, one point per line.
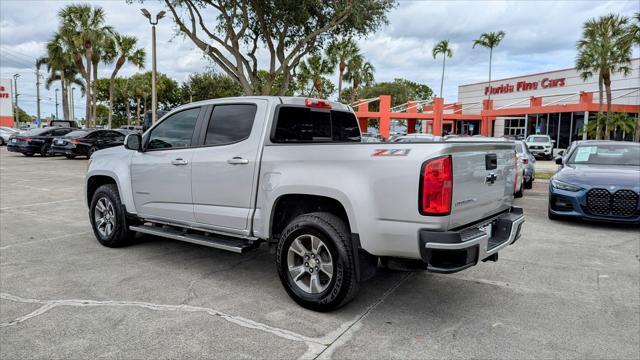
339	53
209	85
314	70
443	48
123	49
359	72
82	28
286	30
59	63
489	41
605	49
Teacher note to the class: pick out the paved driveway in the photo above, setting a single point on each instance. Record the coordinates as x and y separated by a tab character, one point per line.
565	290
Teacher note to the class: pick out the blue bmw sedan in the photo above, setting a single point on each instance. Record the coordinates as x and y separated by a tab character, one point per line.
598	180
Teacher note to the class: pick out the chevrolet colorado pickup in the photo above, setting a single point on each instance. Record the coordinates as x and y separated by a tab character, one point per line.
292	172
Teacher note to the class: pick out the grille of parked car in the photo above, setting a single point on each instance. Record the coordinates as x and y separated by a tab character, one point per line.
620	203
536	147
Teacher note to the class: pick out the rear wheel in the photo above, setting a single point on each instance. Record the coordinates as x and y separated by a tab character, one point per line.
528	184
91	151
28	154
69	156
44	150
315	262
108	218
2	141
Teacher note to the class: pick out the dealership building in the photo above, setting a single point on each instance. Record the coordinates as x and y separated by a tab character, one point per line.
556	103
6	103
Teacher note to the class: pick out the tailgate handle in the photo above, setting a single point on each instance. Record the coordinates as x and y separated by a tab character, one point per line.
491	161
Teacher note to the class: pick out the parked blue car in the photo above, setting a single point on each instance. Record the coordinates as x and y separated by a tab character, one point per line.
598	180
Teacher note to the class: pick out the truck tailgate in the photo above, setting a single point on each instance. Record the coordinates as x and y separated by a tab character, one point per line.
483	181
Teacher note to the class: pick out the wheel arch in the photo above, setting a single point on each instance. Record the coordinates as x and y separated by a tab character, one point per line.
288	206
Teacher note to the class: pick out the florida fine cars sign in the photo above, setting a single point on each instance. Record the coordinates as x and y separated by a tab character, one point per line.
525	86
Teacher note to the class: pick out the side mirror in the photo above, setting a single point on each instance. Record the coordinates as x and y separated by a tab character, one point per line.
559	160
561	153
133	142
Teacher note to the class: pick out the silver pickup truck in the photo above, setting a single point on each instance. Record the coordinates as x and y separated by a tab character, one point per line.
292	172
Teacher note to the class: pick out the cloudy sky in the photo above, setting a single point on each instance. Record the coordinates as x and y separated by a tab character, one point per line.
540	36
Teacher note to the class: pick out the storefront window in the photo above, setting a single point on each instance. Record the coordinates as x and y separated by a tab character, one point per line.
565	127
554	127
578	123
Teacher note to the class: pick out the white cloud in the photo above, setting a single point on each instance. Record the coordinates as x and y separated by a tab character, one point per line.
541	36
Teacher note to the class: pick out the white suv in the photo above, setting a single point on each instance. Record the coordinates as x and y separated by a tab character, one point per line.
541	146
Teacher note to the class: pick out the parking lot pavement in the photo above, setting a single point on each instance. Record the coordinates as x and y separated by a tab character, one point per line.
546	166
565	289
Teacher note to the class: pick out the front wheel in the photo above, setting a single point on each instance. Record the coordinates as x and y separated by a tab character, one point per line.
315	262
108	218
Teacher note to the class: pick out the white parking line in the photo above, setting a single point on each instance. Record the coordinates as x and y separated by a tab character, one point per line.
42	240
37	204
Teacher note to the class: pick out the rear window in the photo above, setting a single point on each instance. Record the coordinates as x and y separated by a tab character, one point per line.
36	132
76	134
301	124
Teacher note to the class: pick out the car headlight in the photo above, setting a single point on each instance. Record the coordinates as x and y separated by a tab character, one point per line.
564	186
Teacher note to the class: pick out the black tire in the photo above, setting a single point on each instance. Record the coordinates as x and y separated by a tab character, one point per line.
28	154
520	192
552	216
120	234
528	184
91	151
334	233
69	156
44	150
2	141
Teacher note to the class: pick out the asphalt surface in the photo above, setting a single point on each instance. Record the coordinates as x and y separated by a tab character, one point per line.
564	290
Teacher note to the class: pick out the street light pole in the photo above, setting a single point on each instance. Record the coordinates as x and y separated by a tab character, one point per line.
15	88
154	94
57	103
73	104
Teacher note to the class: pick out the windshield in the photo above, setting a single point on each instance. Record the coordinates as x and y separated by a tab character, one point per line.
613	154
538	139
76	134
519	147
36	132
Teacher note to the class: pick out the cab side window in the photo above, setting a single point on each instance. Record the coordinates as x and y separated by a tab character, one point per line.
230	123
174	132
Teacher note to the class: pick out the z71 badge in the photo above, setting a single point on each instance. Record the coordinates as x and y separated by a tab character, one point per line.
391	152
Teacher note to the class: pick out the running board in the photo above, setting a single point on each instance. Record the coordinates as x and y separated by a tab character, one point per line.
214	241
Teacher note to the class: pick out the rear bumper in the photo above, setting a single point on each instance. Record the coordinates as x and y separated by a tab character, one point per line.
23	148
66	150
453	251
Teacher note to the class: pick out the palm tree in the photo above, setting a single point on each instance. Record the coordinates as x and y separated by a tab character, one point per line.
442	48
604	49
339	54
359	72
315	69
82	29
59	65
490	41
122	48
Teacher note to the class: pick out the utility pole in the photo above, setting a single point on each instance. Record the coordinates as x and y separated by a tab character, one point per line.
38	119
57	103
154	95
15	88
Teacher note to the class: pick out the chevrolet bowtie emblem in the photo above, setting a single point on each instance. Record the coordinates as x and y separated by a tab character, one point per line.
491	178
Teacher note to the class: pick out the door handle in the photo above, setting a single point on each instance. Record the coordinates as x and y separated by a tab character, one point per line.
238	161
179	162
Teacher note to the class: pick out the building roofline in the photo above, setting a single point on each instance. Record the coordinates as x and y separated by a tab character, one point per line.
534	74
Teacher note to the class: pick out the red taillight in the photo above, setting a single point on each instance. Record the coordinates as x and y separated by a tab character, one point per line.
317	103
26	139
525	161
73	142
436	186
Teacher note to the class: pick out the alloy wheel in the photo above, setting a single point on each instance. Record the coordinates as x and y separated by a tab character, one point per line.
104	217
310	264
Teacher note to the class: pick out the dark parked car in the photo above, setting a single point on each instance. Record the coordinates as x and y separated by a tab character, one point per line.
598	180
86	142
36	141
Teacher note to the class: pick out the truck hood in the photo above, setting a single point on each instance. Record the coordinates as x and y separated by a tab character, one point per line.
109	152
601	175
